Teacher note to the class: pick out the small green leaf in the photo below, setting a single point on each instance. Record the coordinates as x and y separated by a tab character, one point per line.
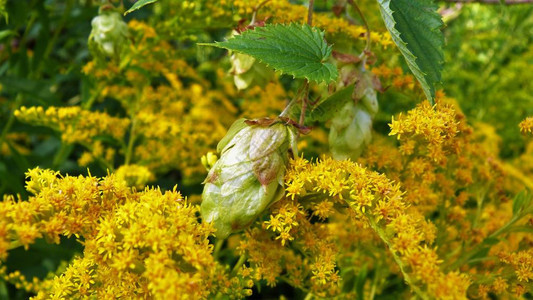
526	229
415	27
483	252
331	105
6	33
138	5
518	202
297	50
491	241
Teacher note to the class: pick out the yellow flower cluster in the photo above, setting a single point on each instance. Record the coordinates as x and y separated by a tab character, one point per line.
134	175
145	244
378	202
526	126
522	263
437	127
462	182
394	77
313	268
75	124
283	11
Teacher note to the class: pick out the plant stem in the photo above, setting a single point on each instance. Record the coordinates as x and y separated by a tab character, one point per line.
368	40
11	119
304	103
397	259
218	247
129	151
61	154
374	282
310	12
53	40
256	9
238	265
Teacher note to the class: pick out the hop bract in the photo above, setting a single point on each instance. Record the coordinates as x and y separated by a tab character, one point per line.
248	177
351	128
108	35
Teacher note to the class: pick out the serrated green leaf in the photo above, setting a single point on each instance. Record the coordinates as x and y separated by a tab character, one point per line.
297	50
138	5
415	27
331	105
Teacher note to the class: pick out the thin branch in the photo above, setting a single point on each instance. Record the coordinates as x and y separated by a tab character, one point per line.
310	12
506	2
304	104
256	9
368	40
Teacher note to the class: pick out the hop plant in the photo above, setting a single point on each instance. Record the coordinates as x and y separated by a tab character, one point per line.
248	177
109	34
351	128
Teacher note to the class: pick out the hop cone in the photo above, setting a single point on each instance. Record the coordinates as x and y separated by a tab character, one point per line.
248	177
351	128
108	35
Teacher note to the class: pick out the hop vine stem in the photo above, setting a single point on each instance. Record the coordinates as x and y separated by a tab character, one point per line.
256	9
368	40
310	12
306	84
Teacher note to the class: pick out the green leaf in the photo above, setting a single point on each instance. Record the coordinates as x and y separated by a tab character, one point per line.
483	252
331	105
138	5
415	27
518	202
491	241
297	50
526	229
6	33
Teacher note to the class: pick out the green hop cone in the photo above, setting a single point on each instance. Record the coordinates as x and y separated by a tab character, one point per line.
248	177
108	36
351	128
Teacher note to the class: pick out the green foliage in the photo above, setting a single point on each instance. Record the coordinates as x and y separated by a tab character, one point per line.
139	4
415	27
490	75
297	50
331	105
3	11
